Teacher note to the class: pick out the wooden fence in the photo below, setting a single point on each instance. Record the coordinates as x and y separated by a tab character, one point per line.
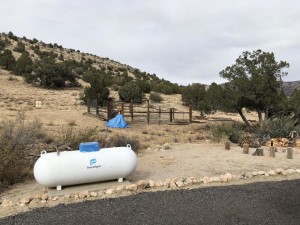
141	112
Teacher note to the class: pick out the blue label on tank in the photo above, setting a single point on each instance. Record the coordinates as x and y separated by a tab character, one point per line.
93	161
93	164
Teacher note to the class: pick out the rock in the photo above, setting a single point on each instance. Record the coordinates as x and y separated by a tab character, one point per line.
205	180
267	174
272	173
76	196
216	179
261	173
166	146
297	170
67	196
100	193
166	184
26	200
109	191
142	184
22	205
81	195
254	173
131	187
38	196
151	183
284	173
179	183
229	176
35	201
290	171
172	184
159	184
120	188
189	180
43	201
94	194
45	197
6	203
55	198
279	170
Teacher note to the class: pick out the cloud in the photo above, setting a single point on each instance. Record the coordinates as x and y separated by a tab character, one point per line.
181	41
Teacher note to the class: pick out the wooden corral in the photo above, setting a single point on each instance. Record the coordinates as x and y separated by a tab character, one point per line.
145	112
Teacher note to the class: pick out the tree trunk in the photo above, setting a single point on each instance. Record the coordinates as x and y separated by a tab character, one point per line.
245	119
260	119
266	114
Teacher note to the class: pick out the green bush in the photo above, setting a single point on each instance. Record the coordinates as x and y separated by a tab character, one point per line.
20	47
227	131
278	127
156	97
131	92
7	60
17	139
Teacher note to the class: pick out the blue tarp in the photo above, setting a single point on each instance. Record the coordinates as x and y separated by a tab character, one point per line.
117	122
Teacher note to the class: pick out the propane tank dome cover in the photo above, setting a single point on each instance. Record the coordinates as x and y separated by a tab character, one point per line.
89	147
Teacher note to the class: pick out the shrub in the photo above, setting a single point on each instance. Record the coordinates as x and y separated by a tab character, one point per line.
7	60
122	141
156	97
20	47
131	92
227	131
72	137
17	139
277	127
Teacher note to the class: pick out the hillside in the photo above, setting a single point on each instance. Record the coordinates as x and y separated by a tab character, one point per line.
289	87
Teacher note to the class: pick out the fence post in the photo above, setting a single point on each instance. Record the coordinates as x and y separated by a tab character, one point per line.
159	114
170	115
108	110
122	109
148	112
190	114
131	110
88	106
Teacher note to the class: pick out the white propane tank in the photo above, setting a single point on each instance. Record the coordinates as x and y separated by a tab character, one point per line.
57	169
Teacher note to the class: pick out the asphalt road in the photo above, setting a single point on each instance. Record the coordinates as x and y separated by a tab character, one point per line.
258	203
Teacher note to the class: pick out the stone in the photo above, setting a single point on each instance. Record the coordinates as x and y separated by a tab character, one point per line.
131	187
151	183
43	201
142	184
76	196
290	171
120	188
297	170
172	184
179	183
254	173
67	196
35	201
279	170
189	180
22	205
6	203
109	191
216	179
229	176
267	174
159	184
261	173
272	173
284	173
26	200
45	197
81	195
205	180
100	193
55	198
94	194
38	196
166	184
223	178
166	146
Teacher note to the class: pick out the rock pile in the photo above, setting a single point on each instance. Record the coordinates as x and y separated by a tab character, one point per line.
144	185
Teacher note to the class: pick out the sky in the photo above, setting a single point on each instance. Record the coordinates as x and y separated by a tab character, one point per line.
183	41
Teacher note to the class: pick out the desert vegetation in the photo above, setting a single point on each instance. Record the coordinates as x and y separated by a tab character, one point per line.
66	78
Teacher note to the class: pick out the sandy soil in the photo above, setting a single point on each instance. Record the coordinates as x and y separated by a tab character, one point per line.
191	153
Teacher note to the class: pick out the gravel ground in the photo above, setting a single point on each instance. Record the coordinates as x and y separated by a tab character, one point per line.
257	203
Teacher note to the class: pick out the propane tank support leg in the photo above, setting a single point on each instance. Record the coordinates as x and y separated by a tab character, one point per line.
58	188
120	180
